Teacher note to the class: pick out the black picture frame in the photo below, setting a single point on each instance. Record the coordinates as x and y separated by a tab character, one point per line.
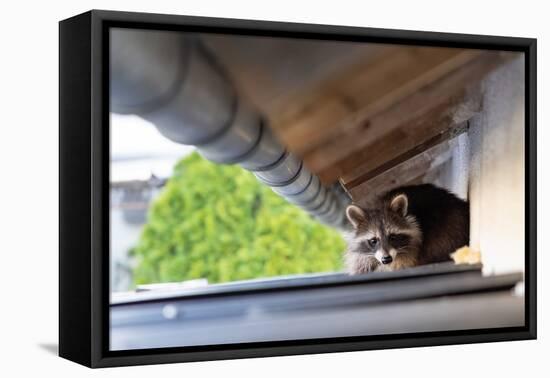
84	185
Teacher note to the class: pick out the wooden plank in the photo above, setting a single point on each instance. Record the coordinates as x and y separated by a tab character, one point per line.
407	172
419	117
367	88
436	125
410	154
348	133
273	72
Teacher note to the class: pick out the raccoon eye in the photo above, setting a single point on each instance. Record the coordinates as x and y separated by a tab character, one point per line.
373	242
399	240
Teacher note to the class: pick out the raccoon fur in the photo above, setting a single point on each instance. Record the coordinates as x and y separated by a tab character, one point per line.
406	227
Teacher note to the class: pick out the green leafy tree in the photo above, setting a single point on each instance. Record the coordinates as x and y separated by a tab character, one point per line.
218	222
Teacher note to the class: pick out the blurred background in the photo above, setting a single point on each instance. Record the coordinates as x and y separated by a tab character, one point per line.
177	217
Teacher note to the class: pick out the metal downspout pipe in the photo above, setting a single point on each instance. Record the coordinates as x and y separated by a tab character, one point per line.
172	80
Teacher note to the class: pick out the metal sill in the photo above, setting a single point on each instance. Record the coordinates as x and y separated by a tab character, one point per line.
429	298
292	282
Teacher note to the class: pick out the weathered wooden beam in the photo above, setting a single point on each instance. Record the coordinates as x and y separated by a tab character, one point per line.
273	72
423	115
407	172
398	101
397	147
363	90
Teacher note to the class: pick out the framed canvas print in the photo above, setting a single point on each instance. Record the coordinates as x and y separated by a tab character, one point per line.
233	188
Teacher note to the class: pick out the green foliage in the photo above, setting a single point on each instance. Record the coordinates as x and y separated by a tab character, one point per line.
218	222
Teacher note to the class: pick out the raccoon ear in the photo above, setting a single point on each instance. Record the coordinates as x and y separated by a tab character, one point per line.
355	215
400	204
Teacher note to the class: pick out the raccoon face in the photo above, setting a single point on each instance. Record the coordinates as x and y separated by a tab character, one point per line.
384	233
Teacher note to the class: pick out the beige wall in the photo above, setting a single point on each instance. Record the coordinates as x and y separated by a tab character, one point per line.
497	177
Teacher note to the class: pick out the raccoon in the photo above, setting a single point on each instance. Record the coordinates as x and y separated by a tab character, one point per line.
406	227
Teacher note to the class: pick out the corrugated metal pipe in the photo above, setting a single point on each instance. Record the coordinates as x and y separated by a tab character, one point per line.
173	81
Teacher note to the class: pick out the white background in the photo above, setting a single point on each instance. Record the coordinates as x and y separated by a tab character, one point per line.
29	187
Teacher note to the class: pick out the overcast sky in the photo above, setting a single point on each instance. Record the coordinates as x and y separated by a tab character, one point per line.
139	150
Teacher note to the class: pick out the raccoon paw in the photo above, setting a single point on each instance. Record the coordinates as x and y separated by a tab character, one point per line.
361	264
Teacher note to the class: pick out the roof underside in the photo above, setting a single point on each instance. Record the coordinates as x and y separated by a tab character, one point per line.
371	116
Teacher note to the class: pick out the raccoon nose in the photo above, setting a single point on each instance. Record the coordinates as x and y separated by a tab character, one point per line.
386	259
